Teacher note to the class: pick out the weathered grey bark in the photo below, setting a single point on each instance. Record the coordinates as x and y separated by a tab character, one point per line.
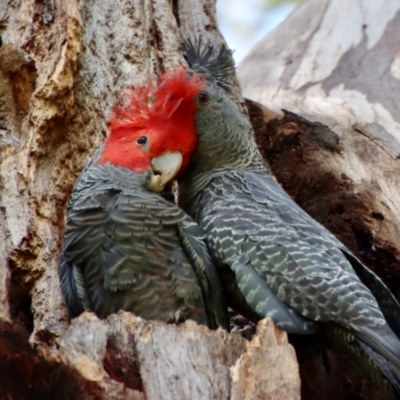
62	64
335	65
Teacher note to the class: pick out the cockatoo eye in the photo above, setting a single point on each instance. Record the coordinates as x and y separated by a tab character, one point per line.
203	98
142	140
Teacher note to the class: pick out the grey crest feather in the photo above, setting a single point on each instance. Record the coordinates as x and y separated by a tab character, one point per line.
213	59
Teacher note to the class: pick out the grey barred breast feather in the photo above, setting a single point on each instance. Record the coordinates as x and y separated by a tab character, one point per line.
129	249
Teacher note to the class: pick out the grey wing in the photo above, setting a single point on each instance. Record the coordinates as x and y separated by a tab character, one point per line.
130	257
310	273
192	239
247	214
73	288
304	265
387	302
314	233
86	218
229	225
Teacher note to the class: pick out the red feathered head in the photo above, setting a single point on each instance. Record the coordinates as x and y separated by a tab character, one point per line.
147	126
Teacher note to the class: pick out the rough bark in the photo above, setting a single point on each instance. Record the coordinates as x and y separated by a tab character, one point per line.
266	371
333	65
62	64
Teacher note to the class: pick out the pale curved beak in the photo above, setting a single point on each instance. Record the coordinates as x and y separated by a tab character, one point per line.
164	169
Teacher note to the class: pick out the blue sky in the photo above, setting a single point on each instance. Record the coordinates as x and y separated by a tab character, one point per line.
244	22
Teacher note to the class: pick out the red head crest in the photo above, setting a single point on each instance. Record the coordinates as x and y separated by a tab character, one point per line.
140	131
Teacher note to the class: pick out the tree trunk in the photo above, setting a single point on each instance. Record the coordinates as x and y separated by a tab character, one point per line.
334	66
62	64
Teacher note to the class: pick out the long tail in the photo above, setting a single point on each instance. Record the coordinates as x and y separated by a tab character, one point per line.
367	361
387	368
387	302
